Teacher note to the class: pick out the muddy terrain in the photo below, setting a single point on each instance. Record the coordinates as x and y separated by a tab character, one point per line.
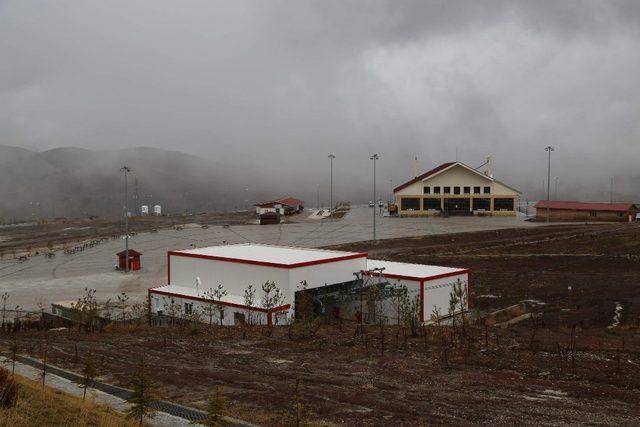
573	364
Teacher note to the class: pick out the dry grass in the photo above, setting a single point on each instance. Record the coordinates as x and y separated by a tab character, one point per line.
48	407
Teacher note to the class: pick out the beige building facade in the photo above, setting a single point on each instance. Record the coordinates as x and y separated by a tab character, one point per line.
455	189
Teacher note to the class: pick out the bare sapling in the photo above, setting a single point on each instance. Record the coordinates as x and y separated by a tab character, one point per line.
219	293
249	300
123	300
89	373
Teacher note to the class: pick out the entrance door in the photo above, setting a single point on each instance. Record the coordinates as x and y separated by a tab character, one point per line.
454	206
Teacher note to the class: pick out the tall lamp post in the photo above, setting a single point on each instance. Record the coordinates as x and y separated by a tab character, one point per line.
126	170
374	158
331	157
548	149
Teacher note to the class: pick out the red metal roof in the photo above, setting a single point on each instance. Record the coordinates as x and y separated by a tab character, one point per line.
423	176
132	252
287	201
586	206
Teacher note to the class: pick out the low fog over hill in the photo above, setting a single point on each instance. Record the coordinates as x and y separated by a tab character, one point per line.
80	182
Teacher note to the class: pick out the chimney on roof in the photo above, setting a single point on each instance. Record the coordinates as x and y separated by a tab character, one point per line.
490	166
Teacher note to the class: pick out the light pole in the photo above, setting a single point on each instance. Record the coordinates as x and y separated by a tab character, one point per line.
556	192
390	191
331	157
374	158
548	149
126	170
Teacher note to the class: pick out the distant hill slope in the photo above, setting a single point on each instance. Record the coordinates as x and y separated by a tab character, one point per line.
80	182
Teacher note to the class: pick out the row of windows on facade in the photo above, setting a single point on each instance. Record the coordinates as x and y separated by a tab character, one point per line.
457	190
413	203
238	318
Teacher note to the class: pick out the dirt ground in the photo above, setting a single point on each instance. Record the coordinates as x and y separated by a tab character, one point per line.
568	367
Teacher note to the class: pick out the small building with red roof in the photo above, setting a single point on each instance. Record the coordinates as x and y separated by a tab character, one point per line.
283	206
586	211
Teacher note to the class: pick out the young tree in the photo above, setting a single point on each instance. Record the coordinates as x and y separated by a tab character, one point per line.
89	373
272	296
216	409
399	298
13	351
4	297
298	416
249	301
218	294
123	299
143	394
90	305
209	310
173	309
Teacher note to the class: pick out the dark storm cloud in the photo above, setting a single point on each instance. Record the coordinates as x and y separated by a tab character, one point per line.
278	85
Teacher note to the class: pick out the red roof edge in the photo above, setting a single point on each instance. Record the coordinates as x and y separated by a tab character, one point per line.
423	176
586	206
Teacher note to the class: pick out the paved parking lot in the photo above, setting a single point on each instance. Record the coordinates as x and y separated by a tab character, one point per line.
65	276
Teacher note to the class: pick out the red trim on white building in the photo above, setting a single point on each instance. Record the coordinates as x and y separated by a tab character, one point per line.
265	263
226	304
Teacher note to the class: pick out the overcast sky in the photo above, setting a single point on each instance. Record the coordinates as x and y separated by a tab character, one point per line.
283	83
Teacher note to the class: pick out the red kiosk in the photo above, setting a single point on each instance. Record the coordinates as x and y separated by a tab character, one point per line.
134	260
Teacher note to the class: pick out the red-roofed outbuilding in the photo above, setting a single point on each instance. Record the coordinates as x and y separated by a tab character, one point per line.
586	211
284	206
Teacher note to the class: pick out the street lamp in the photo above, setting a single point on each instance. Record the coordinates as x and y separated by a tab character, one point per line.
126	170
374	158
548	149
331	157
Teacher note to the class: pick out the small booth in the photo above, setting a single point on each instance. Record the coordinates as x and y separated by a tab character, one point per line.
134	260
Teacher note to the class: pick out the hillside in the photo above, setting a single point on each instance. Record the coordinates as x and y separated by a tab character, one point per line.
75	182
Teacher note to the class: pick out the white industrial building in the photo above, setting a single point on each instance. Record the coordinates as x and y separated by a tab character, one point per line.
192	273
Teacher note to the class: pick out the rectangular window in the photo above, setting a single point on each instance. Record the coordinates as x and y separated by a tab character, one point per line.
427	190
238	318
188	307
467	190
447	190
593	213
487	190
456	190
410	204
436	190
476	190
502	204
433	204
481	204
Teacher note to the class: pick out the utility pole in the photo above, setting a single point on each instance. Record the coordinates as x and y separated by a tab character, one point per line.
548	149
126	170
331	157
391	191
374	158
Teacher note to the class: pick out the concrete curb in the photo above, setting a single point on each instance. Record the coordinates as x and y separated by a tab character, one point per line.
171	408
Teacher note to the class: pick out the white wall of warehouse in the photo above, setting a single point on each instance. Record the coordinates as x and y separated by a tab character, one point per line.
160	303
437	294
235	277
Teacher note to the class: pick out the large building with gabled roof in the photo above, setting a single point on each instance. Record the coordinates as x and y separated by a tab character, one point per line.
455	188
